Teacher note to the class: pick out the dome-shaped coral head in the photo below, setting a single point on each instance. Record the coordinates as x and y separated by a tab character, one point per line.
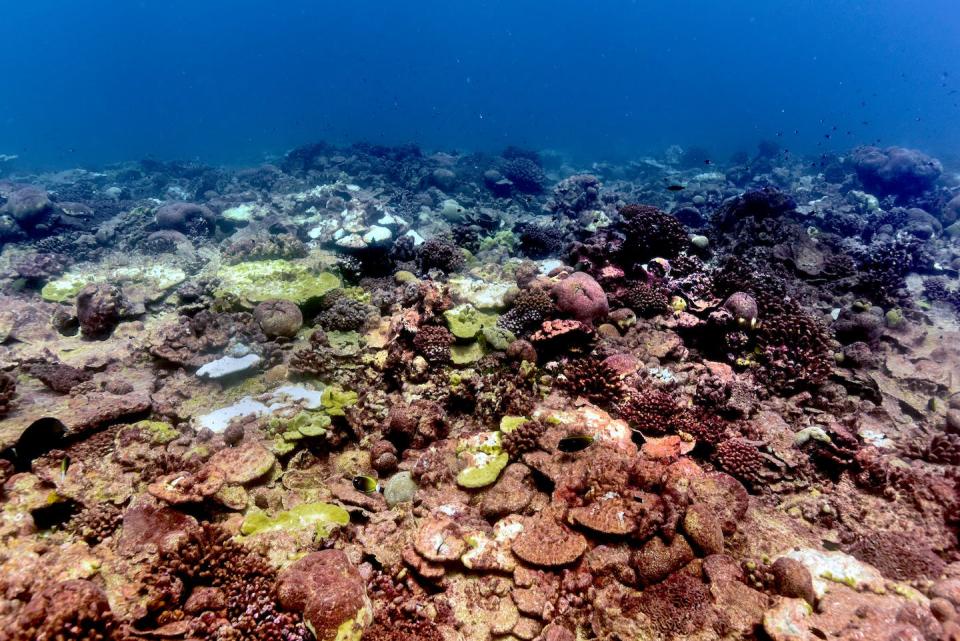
581	297
180	215
743	308
895	171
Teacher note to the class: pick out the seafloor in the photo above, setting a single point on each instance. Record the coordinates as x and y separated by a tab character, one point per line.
372	391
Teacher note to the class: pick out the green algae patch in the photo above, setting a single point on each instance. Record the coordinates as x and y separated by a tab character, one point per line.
466	354
483	459
261	280
158	432
510	423
498	338
154	279
322	517
466	321
335	400
345	343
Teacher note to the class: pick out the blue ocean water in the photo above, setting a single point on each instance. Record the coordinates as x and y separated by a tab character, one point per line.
234	81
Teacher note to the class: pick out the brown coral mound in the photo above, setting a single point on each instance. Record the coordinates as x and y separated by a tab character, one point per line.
433	343
416	425
58	376
898	556
264	247
98	310
75	610
546	543
524	438
680	605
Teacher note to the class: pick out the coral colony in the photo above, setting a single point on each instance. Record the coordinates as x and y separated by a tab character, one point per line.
372	392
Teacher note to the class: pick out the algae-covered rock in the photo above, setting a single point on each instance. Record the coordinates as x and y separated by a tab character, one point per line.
344	343
400	488
481	294
154	280
156	432
257	281
243	463
322	517
482	458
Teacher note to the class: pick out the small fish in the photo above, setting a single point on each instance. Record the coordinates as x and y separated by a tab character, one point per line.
831	546
707	162
575	443
366	484
675	187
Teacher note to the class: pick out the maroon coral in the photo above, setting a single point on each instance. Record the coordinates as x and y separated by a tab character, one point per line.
592	379
741	458
327	589
581	296
98	310
678	606
650	410
898	556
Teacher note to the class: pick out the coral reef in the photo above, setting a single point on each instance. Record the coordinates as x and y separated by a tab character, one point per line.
380	392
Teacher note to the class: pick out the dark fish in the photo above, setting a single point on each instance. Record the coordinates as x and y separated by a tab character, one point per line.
707	162
575	443
675	187
366	484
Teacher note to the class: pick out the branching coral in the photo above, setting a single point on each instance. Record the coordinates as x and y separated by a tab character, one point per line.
530	308
441	253
211	559
433	342
651	233
525	437
343	313
592	379
740	458
650	411
646	299
540	241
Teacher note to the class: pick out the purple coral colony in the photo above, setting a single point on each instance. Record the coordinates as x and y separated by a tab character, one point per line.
375	392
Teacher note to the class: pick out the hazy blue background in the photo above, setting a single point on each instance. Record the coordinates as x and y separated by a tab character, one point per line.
234	80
